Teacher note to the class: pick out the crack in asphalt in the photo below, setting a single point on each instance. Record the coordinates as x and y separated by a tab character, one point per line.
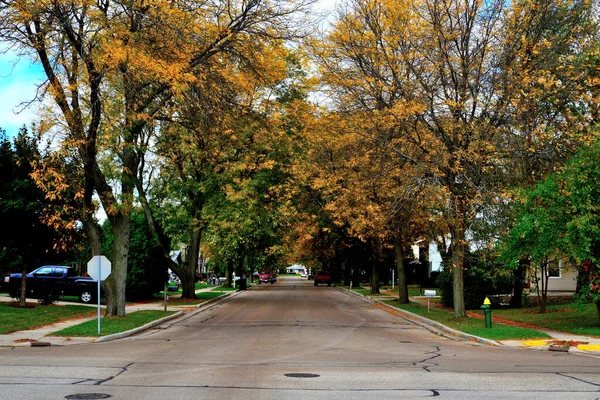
84	381
122	371
436	354
577	379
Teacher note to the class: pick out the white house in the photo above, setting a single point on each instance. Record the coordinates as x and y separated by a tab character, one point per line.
296	269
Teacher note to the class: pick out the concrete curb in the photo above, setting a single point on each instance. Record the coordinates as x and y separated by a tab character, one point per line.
430	325
438	328
133	331
360	296
199	308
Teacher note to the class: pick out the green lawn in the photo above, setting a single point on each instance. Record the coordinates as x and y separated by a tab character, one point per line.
200	298
472	326
110	325
200	285
224	289
17	319
413	290
574	318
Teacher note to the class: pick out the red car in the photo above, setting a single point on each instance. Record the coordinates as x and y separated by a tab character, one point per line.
266	277
322	277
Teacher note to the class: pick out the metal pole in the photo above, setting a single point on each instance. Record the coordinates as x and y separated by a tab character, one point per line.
99	295
166	296
393	279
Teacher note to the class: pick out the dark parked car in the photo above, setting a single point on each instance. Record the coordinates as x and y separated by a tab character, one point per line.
53	281
322	277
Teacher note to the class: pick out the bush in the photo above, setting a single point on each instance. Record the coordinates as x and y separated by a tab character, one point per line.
482	279
146	267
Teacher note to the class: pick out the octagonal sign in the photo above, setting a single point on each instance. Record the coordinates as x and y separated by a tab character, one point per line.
105	267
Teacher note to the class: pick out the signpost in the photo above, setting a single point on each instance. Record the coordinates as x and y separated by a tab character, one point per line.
100	273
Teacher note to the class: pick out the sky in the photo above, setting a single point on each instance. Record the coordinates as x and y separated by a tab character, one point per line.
19	79
18	83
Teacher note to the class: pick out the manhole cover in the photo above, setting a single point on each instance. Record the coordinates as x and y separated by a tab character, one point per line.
302	375
87	396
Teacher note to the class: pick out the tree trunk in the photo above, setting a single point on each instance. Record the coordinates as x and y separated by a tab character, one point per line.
375	271
115	284
354	271
543	288
23	297
239	268
402	283
375	279
229	274
347	272
188	278
519	274
458	262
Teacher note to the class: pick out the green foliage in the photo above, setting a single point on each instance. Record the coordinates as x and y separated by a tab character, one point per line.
24	238
539	231
483	278
559	216
146	267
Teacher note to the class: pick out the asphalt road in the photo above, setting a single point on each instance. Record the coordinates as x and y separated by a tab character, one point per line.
292	340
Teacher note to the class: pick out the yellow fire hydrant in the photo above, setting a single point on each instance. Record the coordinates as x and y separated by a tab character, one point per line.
487	312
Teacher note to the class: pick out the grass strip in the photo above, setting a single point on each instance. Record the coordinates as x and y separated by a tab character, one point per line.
471	325
200	298
110	325
18	318
225	289
580	319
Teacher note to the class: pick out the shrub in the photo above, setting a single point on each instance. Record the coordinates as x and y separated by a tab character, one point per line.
482	279
146	267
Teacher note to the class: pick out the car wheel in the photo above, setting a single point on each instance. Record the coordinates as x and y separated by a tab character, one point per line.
86	297
272	282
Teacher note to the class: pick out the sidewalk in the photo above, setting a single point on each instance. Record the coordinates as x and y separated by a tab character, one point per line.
561	341
39	336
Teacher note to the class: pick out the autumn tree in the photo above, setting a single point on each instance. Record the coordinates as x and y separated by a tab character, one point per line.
444	72
112	66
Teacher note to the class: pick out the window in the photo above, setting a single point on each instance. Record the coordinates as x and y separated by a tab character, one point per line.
44	271
554	269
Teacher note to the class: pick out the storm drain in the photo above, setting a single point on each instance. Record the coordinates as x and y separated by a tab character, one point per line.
87	396
301	375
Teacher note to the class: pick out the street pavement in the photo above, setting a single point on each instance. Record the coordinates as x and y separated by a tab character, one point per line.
292	340
42	335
